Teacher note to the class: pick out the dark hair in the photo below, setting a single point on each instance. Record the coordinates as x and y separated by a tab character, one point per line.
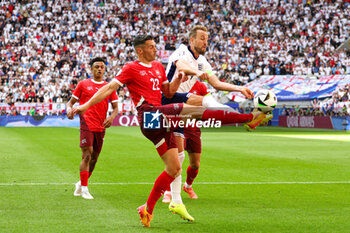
96	59
140	40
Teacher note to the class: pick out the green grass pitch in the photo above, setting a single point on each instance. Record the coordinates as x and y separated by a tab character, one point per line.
271	180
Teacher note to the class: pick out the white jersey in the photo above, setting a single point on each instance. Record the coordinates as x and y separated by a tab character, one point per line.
185	53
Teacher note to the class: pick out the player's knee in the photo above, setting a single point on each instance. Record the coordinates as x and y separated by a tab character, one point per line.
87	157
93	160
86	154
175	171
178	172
94	156
195	165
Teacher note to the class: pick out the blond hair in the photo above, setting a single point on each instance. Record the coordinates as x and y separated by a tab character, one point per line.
193	31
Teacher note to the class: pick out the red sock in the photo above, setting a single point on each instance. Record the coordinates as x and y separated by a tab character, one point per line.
226	117
168	188
84	176
191	175
162	183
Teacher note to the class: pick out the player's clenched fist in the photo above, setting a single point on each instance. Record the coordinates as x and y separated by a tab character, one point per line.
108	122
182	76
79	110
70	114
202	75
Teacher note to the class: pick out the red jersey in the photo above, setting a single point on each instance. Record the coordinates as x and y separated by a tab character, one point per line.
143	82
199	88
94	117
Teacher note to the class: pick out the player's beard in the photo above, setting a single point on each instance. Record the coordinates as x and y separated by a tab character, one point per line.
200	50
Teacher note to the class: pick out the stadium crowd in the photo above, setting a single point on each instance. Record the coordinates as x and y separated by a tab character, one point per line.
337	105
46	45
331	110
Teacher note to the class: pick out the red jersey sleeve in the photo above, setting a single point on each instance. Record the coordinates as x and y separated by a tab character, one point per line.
123	77
164	78
78	90
113	97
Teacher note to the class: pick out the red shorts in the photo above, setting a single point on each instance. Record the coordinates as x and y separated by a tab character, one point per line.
92	138
193	142
162	138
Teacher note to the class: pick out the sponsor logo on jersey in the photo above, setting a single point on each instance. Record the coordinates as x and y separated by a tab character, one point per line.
143	73
90	88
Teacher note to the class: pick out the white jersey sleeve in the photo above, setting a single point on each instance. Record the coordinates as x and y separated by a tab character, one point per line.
178	54
185	53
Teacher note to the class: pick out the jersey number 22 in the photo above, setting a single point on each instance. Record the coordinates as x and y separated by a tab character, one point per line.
155	84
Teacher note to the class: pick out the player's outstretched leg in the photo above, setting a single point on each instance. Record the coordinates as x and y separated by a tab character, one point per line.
226	117
258	119
181	210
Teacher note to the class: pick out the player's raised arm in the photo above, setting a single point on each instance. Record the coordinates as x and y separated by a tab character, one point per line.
212	79
103	93
222	86
183	65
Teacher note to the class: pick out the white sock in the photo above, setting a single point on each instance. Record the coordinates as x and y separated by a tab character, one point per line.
176	190
167	192
187	186
84	189
175	186
181	157
210	102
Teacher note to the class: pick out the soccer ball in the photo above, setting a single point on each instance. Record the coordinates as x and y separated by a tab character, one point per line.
265	101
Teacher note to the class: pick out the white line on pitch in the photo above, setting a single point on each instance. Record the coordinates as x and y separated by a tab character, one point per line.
209	183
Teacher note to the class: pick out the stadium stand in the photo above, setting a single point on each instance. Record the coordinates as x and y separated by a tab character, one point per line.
46	45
